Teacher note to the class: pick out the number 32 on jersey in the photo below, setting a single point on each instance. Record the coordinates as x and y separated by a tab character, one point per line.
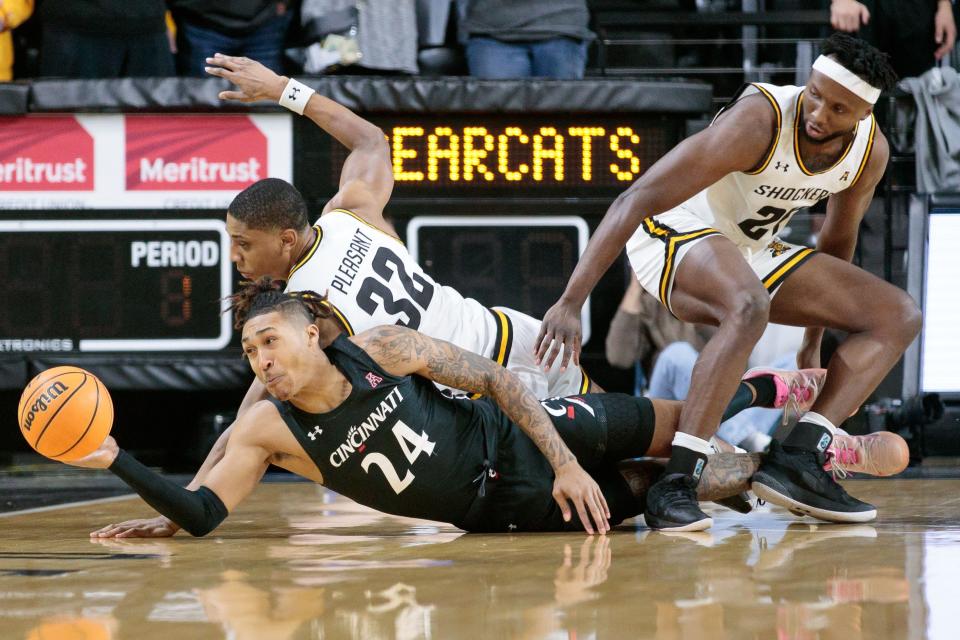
375	293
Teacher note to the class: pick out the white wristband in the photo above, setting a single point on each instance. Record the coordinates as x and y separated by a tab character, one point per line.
295	96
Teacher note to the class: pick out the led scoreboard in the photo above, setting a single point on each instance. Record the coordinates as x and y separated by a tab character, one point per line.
114	285
499	154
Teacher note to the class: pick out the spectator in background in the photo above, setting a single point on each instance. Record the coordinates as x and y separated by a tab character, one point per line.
357	37
256	29
104	38
642	328
916	33
12	13
526	38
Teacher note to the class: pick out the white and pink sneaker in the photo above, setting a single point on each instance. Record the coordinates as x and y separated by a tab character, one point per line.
796	389
877	454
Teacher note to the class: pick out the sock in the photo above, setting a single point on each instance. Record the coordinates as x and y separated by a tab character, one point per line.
749	394
766	390
689	455
756	442
812	433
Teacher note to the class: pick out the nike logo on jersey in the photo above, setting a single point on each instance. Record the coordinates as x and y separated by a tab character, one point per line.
565	406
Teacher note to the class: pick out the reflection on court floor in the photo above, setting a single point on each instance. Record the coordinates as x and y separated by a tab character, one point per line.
296	561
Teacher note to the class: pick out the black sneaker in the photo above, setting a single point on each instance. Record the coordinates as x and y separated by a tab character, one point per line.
739	503
796	481
672	505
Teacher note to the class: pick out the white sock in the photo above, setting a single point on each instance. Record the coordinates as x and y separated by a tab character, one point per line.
693	443
819	420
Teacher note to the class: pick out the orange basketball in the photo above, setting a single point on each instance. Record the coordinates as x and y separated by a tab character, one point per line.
65	413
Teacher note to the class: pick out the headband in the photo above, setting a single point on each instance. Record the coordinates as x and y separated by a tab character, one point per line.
840	74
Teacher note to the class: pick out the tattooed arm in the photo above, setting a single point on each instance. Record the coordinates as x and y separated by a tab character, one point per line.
401	351
728	474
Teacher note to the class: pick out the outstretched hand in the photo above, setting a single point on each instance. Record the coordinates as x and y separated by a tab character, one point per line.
159	527
573	484
253	80
102	458
560	329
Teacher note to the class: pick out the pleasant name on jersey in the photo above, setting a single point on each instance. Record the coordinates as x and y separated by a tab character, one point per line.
352	260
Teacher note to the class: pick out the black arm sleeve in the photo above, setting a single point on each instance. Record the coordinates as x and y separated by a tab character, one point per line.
198	512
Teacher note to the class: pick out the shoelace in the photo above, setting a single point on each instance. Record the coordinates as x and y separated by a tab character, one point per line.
808	384
678	492
840	458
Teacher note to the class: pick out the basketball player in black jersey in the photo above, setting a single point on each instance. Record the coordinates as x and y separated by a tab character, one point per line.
361	416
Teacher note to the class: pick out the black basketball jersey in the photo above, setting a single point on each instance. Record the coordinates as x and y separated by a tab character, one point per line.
396	443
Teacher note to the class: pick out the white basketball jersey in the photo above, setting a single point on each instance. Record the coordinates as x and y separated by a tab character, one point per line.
371	279
751	208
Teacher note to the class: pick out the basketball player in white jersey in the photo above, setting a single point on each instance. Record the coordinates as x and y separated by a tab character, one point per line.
351	253
700	228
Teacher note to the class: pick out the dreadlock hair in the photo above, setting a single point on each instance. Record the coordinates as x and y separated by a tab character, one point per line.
862	59
270	204
267	295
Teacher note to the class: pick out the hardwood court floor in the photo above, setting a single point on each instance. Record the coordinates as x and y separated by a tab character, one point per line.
298	562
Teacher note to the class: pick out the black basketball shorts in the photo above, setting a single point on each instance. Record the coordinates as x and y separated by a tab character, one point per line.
600	430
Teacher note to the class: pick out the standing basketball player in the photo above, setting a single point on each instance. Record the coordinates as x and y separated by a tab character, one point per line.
700	228
360	416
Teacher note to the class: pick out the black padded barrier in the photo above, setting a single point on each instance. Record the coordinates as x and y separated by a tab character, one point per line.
385	95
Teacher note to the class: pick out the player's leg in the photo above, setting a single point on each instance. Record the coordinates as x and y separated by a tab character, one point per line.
713	284
603	429
727	475
881	321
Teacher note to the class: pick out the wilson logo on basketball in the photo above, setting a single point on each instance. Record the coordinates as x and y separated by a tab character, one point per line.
65	413
193	153
45	154
43	402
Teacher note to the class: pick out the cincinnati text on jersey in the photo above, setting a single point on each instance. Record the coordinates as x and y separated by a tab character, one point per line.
791	193
351	261
358	434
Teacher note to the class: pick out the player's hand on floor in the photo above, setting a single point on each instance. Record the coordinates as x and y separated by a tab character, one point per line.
102	458
560	328
253	80
573	484
159	527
